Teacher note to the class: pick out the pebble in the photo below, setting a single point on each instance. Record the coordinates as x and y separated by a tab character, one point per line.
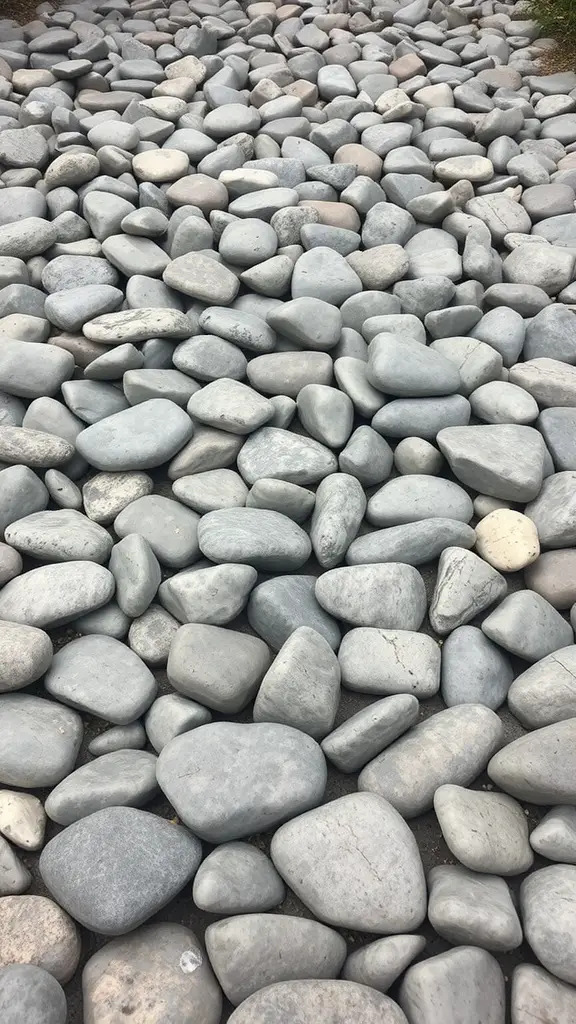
123	778
39	741
380	963
279	606
308	998
471	909
30	993
22	819
388	596
278	772
237	878
536	991
25	655
474	670
548	904
118	894
345	846
527	625
487	832
35	930
434	991
538	767
179	982
390	661
410	771
555	835
544	693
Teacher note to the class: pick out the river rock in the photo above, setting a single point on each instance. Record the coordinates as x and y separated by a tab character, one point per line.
378	964
410	771
32	994
546	692
527	625
217	667
548	903
474	670
302	1001
359	834
280	605
25	655
22	819
61	536
555	835
266	540
537	993
141	437
35	930
252	951
507	540
124	778
388	596
471	909
465	586
84	674
165	960
237	878
540	766
505	460
214	595
272	772
487	832
390	661
435	991
39	741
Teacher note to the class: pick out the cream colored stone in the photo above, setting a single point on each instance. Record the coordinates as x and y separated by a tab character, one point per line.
507	540
22	819
35	930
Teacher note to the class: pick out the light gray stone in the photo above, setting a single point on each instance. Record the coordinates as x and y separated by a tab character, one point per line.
266	540
467	908
487	832
538	767
390	661
474	670
39	741
465	586
378	964
30	993
280	605
25	655
462	980
527	625
218	667
555	835
55	594
61	536
237	878
123	778
548	902
304	1000
388	596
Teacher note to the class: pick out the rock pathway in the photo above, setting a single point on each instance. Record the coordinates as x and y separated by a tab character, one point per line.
287	514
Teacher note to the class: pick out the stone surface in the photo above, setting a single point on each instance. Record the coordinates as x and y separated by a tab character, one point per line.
487	832
35	930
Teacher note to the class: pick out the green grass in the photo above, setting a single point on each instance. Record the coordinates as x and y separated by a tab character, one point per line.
557	20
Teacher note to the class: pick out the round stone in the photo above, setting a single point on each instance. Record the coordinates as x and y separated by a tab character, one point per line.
507	540
35	930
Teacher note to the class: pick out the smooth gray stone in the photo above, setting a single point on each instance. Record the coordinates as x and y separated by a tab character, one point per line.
214	595
92	400
124	778
12	410
29	993
326	413
280	605
527	625
302	686
230	405
61	536
62	490
461	981
240	779
27	238
452	746
548	903
421	417
253	951
109	620
535	993
119	737
103	869
207	357
501	402
280	496
180	985
10	563
208	449
39	741
53	417
487	832
302	1001
171	715
504	460
388	596
410	499
21	494
202	278
476	361
552	333
546	692
367	733
29	370
539	767
555	835
416	455
55	594
338	514
285	373
237	878
553	511
558	428
139	385
467	908
25	655
465	586
137	573
106	494
217	667
380	963
84	674
324	274
345	845
141	437
413	543
526	299
474	670
280	454
170	529
390	661
552	576
71	309
246	329
150	636
367	456
424	294
266	540
350	374
405	369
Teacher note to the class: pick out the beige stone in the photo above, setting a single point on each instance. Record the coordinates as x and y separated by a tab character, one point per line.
22	819
365	161
187	67
35	930
507	540
407	67
337	215
160	165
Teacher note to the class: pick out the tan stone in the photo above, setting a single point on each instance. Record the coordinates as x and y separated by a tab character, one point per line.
337	215
407	66
22	819
507	540
305	91
365	161
35	930
160	165
198	190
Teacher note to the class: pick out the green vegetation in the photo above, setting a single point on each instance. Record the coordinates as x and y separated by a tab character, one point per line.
557	20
